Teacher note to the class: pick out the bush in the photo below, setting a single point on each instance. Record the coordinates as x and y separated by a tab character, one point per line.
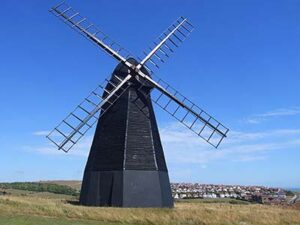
41	187
289	193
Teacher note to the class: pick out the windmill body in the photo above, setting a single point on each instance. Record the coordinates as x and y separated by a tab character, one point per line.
126	165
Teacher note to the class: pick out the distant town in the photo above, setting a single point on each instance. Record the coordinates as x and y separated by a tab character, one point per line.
257	194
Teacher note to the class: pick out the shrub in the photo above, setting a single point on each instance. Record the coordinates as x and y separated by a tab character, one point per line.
41	187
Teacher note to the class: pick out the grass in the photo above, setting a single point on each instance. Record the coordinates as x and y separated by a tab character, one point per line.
21	207
76	184
216	200
30	220
41	187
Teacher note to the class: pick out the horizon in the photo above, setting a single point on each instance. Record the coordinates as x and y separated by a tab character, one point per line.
243	68
252	185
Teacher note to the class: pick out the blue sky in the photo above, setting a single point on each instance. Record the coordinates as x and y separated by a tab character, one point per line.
241	64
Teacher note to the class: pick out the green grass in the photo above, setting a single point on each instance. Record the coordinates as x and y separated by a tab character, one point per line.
41	187
16	192
76	184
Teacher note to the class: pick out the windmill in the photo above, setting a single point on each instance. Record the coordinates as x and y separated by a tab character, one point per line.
126	165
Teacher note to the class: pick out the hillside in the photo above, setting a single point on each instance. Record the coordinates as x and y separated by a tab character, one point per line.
41	187
76	184
19	207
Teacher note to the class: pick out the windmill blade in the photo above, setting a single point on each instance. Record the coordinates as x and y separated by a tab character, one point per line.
90	31
78	122
186	112
170	39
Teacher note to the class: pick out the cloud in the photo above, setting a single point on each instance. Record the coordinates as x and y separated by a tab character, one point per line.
250	158
242	137
81	149
203	166
183	146
258	118
41	133
282	112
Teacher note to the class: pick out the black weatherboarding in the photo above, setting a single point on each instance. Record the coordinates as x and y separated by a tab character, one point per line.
126	165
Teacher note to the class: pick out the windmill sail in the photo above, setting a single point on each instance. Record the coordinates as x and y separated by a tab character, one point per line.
85	115
90	31
187	113
167	42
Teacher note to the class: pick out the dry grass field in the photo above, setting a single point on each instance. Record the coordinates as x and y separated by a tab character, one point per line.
23	207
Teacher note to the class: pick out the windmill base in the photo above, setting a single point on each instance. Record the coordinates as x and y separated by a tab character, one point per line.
128	188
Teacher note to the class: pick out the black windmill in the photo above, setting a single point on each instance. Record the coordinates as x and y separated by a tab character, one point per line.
126	165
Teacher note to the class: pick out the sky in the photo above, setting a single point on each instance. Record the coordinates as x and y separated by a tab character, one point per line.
241	64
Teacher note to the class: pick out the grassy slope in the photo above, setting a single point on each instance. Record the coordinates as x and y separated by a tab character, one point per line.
76	184
23	207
